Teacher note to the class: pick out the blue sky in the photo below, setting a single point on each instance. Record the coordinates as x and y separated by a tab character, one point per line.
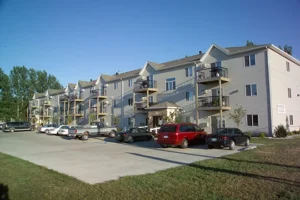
78	40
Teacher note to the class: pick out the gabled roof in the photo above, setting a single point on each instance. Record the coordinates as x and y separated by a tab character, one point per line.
133	73
71	85
55	91
163	105
39	95
245	48
87	83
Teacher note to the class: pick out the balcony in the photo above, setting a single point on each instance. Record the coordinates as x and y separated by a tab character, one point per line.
212	75
212	103
93	110
47	103
102	111
47	114
145	86
63	98
33	105
101	94
140	107
78	113
76	97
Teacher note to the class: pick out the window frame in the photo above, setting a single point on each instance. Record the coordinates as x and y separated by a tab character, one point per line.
188	71
249	59
287	64
130	101
289	93
252	120
170	82
130	81
116	85
189	96
291	119
251	91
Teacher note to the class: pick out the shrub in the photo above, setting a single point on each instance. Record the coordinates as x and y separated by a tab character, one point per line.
280	131
249	134
262	135
296	132
290	133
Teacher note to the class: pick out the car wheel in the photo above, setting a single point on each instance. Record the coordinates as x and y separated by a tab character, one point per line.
12	130
164	146
232	145
210	146
85	137
247	143
184	144
47	131
111	134
130	139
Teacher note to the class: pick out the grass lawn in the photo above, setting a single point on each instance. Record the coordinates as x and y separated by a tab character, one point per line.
271	171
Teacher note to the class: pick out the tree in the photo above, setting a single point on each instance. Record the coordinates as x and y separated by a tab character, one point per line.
25	82
173	117
92	117
288	49
249	43
237	115
6	99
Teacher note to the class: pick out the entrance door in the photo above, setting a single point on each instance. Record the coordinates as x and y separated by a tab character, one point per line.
150	81
214	123
156	121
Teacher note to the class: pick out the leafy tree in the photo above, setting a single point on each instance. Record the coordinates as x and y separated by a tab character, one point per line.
237	115
288	49
92	117
6	99
249	43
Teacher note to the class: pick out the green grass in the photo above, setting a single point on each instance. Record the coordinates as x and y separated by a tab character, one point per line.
271	171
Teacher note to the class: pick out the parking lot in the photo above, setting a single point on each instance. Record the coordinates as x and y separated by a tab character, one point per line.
101	159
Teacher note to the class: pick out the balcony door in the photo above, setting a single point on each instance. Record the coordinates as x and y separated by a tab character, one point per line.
150	80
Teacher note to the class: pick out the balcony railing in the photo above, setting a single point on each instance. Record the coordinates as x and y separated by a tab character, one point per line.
98	93
47	103
93	109
33	105
212	74
75	97
145	85
63	98
213	102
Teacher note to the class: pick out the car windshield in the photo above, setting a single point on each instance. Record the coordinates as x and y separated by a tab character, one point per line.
221	131
168	128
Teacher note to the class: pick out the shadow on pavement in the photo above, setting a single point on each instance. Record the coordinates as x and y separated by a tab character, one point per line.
4	192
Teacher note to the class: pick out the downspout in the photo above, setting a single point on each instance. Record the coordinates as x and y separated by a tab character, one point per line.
269	94
122	108
196	94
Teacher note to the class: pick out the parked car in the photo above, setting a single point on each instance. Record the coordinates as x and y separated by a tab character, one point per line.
17	126
1	126
55	130
228	137
180	134
46	128
99	129
134	134
152	130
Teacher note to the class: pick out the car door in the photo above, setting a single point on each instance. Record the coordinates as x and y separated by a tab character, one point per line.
238	136
243	137
184	132
134	134
18	126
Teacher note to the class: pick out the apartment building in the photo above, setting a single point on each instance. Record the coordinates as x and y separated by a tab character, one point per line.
261	79
203	88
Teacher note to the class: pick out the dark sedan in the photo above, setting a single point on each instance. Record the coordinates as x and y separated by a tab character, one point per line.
134	134
228	137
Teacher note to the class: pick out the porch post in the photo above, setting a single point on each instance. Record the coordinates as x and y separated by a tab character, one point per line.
220	103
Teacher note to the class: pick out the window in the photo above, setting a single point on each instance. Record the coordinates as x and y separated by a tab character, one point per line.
129	121
188	71
289	93
188	119
130	83
116	85
252	120
170	84
189	96
130	101
251	90
151	99
115	103
249	60
187	128
291	120
287	66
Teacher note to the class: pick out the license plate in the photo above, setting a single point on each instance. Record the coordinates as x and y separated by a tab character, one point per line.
213	139
165	136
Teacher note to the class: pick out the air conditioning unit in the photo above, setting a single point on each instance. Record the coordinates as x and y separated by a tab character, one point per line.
82	90
106	102
205	91
105	85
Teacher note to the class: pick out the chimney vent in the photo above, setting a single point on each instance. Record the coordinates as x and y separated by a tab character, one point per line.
200	52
